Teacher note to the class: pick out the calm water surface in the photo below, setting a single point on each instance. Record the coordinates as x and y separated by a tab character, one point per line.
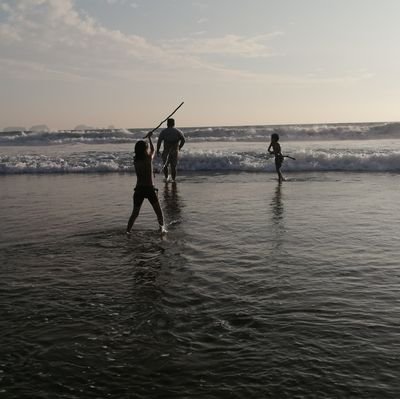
258	290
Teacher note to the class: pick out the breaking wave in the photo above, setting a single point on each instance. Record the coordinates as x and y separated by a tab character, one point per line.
360	131
207	160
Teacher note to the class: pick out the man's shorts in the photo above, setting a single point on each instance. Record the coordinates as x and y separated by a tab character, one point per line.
170	158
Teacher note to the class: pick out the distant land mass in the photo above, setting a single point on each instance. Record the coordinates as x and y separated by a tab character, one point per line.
46	129
14	129
40	128
84	127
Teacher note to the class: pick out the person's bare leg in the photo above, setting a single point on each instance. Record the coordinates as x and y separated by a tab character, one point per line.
173	172
134	215
165	159
278	171
165	170
173	169
157	209
280	176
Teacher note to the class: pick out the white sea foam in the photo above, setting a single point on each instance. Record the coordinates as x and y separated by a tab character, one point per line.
325	159
373	147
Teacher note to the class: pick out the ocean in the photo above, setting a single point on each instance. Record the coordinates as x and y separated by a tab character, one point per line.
259	289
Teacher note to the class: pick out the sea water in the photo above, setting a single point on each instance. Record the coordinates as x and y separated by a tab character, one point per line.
341	147
258	290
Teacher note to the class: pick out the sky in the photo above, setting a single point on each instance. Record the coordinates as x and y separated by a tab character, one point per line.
129	63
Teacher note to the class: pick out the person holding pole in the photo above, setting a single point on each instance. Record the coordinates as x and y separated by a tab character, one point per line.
143	161
173	140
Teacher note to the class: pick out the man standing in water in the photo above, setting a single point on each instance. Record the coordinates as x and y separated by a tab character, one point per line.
173	140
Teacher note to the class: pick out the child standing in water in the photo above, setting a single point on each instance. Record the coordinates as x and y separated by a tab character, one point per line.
143	162
275	149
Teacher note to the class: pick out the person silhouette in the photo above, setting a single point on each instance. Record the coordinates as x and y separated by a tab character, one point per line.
143	161
173	140
275	149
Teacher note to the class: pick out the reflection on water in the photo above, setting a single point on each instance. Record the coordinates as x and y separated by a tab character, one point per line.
277	217
277	205
246	312
172	204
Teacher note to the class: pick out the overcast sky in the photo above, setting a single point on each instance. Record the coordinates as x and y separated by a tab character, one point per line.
128	63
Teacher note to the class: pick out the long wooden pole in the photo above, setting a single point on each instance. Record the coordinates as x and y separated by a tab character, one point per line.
169	116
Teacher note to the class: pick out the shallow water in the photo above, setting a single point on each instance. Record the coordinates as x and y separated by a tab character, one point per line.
258	290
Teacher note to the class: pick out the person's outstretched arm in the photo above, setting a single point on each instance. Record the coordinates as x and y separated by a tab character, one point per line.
159	141
182	141
151	147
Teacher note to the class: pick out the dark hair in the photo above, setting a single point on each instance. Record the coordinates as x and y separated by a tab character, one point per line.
275	136
171	122
140	151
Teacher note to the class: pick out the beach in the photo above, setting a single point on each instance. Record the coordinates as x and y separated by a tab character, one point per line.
257	290
269	268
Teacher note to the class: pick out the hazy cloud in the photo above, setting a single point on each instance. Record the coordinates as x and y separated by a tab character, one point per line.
52	39
55	35
232	45
112	2
199	4
123	2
